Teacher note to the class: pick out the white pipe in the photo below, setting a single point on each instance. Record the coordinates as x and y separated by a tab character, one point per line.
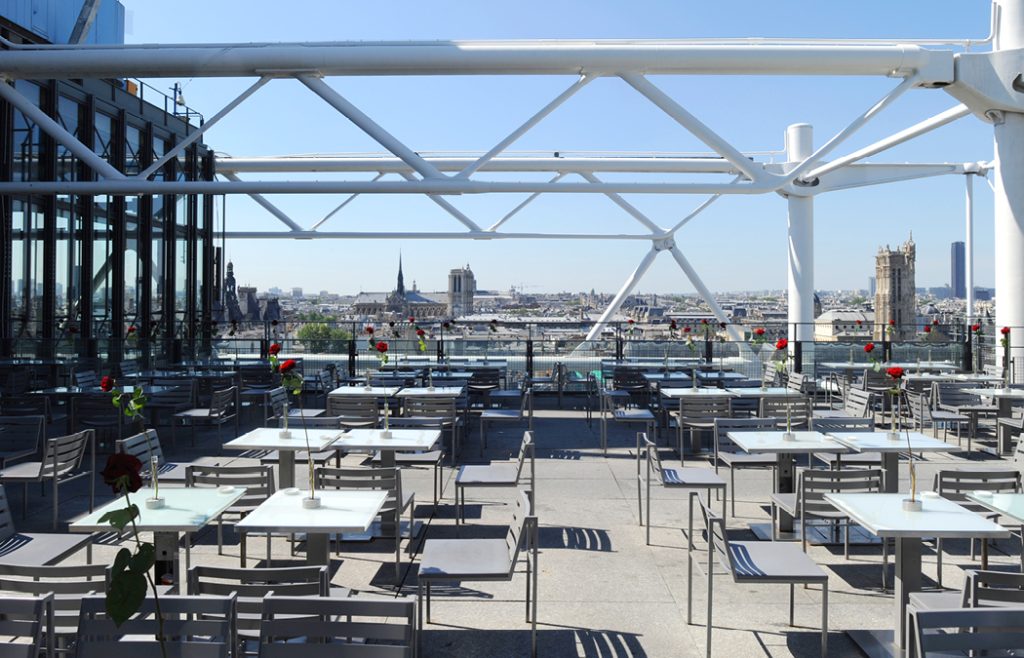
369	126
57	131
521	130
449	208
969	247
698	210
920	128
649	163
704	292
800	270
469	58
350	199
268	206
210	123
446	235
694	125
625	205
512	213
627	287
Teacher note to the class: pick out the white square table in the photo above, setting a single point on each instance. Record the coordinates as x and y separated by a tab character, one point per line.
427	392
766	392
401	439
1005	504
365	391
339	512
185	511
773	442
269	438
890	449
689	391
883	515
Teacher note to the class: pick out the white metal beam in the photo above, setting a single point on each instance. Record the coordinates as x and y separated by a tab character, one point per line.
449	208
632	210
268	206
348	200
512	213
698	210
627	287
422	235
369	126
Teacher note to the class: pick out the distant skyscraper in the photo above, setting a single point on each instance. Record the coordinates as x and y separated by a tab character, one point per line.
957	278
871	286
461	288
895	294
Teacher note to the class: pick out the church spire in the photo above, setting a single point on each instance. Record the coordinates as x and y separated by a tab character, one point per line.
400	288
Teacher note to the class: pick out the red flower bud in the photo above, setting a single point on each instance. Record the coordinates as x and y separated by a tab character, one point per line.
630	321
275	349
131	329
895	372
381	347
869	348
411	320
781	344
975	327
759	331
369	330
1004	331
420	333
927	329
935	321
287	366
892	323
123	469
686	330
106	384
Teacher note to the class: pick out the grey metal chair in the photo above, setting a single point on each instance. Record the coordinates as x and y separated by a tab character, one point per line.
953	396
146	445
375	479
857	403
63	461
798	406
984	631
461	560
695	414
678	478
752	562
192	626
981	589
501	414
68	584
616	406
33	548
313	627
20	437
223	409
729	454
21	626
494	475
837	460
354	410
258	482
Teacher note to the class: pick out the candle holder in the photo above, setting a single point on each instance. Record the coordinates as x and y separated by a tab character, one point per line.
311	502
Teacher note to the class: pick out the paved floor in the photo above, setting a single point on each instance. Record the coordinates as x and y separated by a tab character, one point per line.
603	592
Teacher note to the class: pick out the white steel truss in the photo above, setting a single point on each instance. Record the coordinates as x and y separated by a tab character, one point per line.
985	84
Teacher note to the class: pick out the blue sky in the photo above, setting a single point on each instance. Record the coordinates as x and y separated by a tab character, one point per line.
739	244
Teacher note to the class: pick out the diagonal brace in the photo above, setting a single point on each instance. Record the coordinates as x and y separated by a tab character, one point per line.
269	207
448	207
617	199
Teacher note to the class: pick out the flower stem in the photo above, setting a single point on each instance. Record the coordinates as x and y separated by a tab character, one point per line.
152	583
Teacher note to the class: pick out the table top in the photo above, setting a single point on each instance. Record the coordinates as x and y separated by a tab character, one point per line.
363	391
666	376
401	439
883	515
425	392
1007	504
689	392
880	442
772	442
906	365
269	438
719	375
186	509
339	511
996	392
758	392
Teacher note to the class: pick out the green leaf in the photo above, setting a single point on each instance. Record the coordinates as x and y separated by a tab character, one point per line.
121	561
116	399
124	597
120	518
143	559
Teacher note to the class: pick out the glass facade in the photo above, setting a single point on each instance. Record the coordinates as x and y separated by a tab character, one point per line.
104	277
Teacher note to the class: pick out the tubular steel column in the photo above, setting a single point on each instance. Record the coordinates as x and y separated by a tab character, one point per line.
1009	195
801	242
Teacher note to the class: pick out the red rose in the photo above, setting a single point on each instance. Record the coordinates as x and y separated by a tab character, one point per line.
122	471
703	321
975	328
381	347
275	349
412	319
672	325
759	331
927	329
106	384
131	329
782	344
286	366
686	330
892	323
860	322
895	372
369	330
630	321
935	321
869	348
420	333
1004	331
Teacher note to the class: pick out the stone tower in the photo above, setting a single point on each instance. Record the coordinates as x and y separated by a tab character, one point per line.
461	288
895	291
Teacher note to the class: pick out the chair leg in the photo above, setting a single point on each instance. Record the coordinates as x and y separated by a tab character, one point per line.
938	562
824	619
791	597
732	489
428	601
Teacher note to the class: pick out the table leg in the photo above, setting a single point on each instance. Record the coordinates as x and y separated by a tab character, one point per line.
785	483
891	472
318	548
166	564
286	468
908	579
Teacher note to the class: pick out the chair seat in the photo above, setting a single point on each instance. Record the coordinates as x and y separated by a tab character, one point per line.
306	413
785	501
947	416
969	408
832	413
851	459
428	457
743	459
23	472
38	549
470	559
766	561
948	600
196	413
483	475
501	414
691	477
633	415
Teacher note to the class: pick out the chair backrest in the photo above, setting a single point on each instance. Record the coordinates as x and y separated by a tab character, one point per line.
705	407
256	377
95	411
814	484
517	538
429	407
360	409
981	630
222	403
718	540
319	422
875	380
174	392
801	383
1018	456
366	479
129	368
725	425
859	403
653	457
955	394
143	446
308	627
628	379
68	583
22	432
193	626
993	588
799	406
955	485
770	376
21	626
251	586
484	379
257	480
278	399
843	424
63	454
86	379
525	447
